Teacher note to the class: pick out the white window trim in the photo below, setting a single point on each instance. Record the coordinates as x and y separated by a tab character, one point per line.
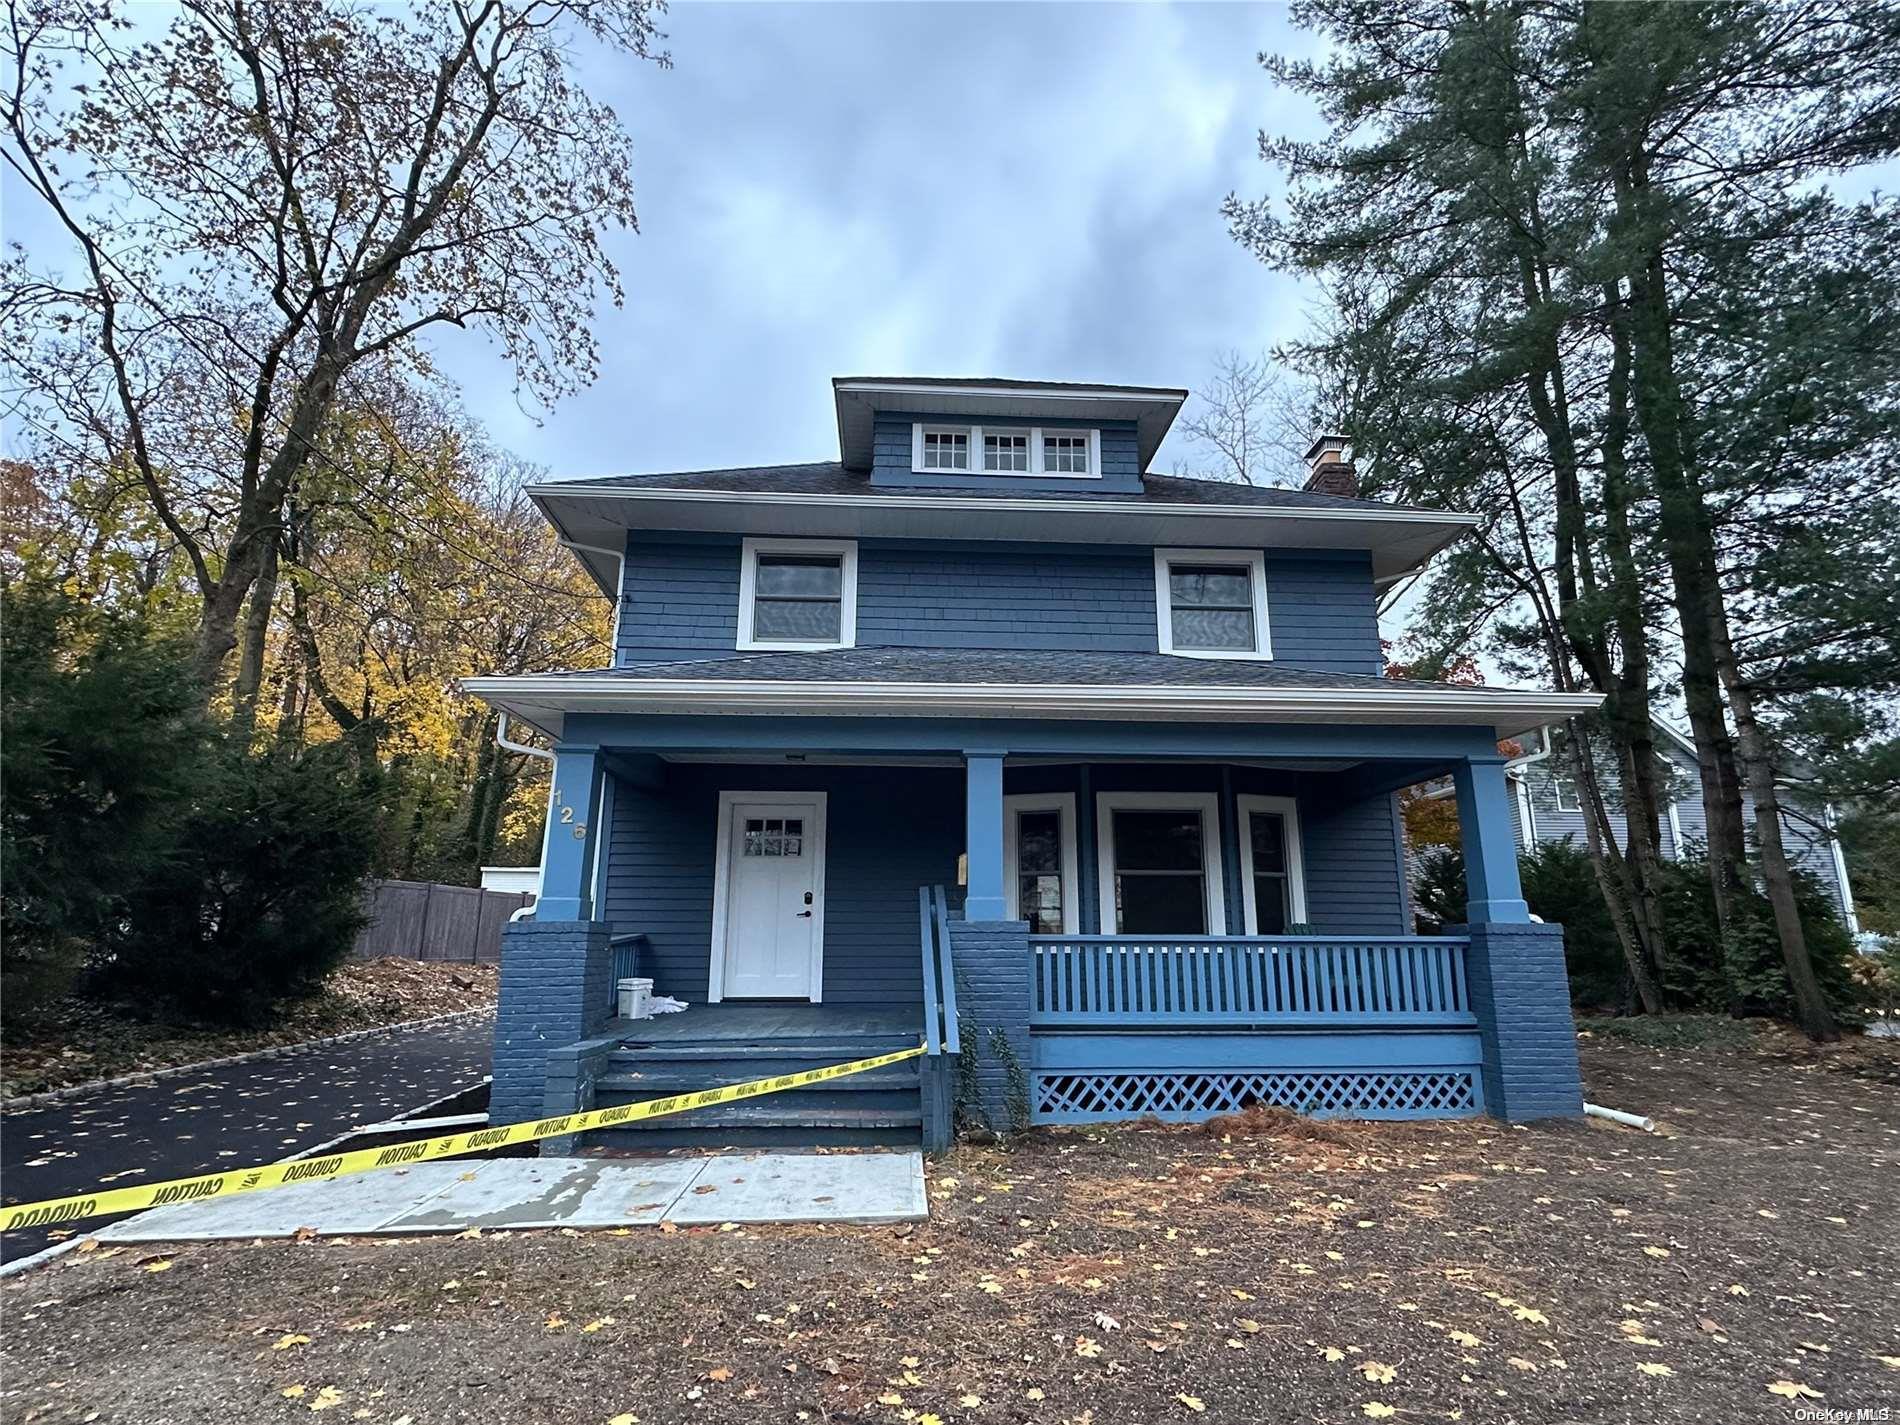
1206	803
1035	434
1256	563
1063	804
751	549
817	803
1289	809
1558	780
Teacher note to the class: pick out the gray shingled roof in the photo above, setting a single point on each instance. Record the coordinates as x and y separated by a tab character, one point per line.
998	666
828	477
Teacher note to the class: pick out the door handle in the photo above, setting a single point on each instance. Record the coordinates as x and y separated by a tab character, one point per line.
804	915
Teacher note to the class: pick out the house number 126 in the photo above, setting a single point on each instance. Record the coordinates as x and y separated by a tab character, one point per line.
567	819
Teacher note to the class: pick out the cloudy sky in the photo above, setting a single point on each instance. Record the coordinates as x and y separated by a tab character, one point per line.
938	189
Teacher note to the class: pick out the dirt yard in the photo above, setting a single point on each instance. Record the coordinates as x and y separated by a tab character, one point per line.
83	1041
1740	1270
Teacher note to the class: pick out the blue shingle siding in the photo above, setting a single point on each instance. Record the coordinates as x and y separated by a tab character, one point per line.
888	831
891	456
680	600
554	992
1323	612
1095	598
992	969
1521	997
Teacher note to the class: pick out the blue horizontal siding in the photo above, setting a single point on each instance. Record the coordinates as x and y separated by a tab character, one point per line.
893	829
680	600
888	831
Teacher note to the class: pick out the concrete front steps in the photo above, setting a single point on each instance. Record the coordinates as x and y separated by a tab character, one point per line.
881	1108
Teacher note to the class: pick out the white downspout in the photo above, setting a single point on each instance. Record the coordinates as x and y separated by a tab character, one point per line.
1675	831
1840	871
619	556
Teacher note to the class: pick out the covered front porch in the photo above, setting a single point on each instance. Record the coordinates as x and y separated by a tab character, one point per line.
1165	918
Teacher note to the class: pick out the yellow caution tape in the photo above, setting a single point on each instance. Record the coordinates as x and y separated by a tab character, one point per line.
58	1210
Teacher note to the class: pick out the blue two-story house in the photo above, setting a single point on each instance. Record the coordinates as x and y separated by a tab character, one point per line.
985	736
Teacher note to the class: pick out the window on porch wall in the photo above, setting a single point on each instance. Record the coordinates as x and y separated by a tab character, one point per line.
1039	870
1272	899
1160	873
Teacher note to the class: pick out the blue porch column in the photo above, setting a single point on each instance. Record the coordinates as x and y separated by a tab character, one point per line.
1520	990
555	967
1484	821
983	835
567	850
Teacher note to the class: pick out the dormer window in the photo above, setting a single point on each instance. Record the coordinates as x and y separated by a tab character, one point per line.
1212	603
798	594
1033	451
1065	454
941	449
1006	450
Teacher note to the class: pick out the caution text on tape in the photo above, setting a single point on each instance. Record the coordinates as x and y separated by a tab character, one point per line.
56	1211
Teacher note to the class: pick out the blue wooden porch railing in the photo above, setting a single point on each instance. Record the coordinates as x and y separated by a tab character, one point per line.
1181	981
940	982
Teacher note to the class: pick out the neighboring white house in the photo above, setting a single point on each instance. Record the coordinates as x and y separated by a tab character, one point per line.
516	880
1548	809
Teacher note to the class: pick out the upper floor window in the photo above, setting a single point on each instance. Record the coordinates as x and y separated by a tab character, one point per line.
798	594
1065	454
1055	454
1006	450
1563	787
943	449
1212	603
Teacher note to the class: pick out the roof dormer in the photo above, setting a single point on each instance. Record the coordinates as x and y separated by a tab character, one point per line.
991	434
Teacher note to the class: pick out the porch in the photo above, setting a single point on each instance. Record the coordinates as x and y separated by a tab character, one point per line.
1172	920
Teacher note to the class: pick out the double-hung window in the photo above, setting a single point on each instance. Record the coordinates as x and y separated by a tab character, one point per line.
1065	454
1159	863
1040	854
1270	863
798	594
1212	603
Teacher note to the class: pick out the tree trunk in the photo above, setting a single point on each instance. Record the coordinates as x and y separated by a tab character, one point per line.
251	655
1810	1004
1690	549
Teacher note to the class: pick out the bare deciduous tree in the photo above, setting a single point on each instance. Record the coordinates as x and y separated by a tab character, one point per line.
275	198
1250	421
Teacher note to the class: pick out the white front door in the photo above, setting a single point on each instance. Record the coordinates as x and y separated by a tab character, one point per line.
769	923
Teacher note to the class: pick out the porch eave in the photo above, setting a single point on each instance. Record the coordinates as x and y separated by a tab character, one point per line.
546	701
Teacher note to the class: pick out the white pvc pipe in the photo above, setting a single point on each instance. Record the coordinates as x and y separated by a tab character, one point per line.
1616	1115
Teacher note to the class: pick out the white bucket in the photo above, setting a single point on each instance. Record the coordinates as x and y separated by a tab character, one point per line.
636	997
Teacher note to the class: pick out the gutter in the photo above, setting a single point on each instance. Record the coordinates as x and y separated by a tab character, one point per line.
1398	514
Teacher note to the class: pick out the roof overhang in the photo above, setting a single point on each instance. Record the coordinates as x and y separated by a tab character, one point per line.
545	701
1399	540
860	398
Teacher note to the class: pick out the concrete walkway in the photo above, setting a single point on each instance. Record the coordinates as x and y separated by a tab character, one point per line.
230	1116
507	1193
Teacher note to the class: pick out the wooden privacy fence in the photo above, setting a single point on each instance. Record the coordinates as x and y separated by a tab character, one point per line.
418	920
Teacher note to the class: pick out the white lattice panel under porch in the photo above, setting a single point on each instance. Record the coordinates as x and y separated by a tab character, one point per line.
1095	1097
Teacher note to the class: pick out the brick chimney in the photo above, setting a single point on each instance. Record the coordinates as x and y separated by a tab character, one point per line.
1331	467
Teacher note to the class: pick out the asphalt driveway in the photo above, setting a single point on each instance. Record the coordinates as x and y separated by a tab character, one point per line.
231	1117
